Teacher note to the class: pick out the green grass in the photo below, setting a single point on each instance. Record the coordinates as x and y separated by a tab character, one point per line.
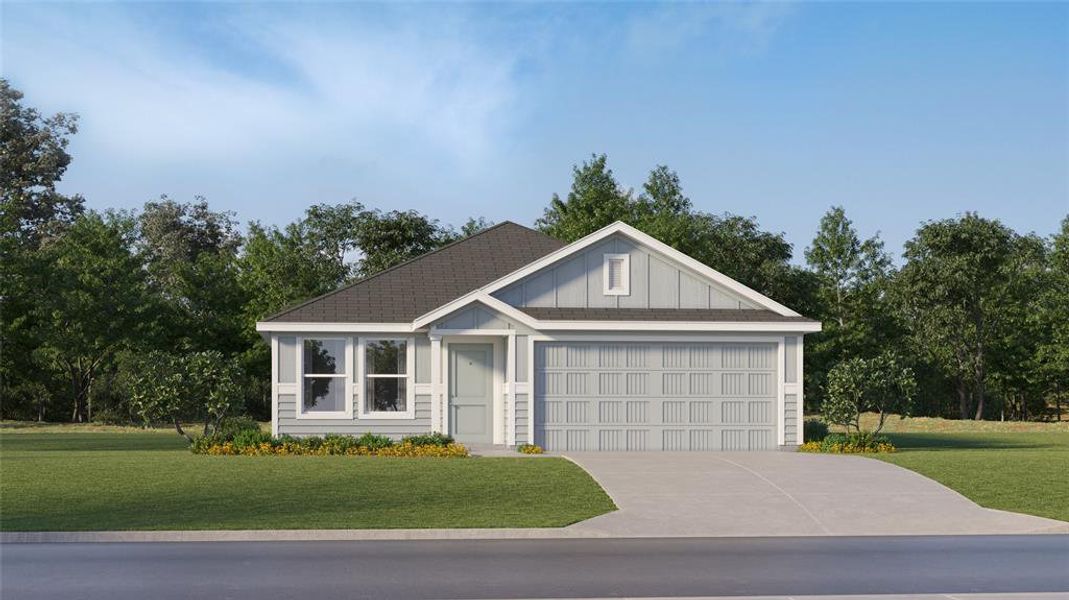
1022	471
84	480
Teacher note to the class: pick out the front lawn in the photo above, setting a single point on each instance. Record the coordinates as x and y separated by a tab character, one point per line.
149	480
1026	472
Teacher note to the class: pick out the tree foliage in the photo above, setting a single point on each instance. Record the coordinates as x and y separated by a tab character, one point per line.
182	387
880	384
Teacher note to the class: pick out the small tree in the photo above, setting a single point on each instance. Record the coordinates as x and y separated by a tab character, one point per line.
197	386
881	385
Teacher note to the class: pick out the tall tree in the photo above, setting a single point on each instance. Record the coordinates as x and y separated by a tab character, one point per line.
34	155
93	303
595	200
953	291
854	276
1051	318
388	239
191	257
34	149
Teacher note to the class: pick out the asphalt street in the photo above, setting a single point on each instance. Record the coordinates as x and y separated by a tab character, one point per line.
537	568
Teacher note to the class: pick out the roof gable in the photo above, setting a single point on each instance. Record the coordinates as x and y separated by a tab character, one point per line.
402	293
657	281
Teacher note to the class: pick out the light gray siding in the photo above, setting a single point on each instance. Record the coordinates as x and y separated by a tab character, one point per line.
522	404
790	359
289	424
791	435
613	396
287	359
656	282
522	353
423	359
478	317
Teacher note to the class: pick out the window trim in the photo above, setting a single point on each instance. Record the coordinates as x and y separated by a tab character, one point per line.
345	376
625	287
362	376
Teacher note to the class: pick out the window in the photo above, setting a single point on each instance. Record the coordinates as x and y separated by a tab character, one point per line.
325	378
616	274
387	367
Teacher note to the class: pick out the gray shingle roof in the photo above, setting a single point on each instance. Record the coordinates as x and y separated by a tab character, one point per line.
413	288
727	315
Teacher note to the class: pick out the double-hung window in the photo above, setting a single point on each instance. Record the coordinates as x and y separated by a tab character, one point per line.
325	391
386	365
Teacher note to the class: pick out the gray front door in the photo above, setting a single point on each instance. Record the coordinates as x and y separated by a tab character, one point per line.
471	392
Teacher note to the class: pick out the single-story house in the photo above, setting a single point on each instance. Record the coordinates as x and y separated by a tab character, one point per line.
614	342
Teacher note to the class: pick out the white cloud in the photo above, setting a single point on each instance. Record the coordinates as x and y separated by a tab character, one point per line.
357	90
738	26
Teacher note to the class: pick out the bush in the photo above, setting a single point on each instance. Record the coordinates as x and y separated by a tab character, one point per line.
860	442
428	439
249	442
814	430
529	449
373	442
232	426
250	437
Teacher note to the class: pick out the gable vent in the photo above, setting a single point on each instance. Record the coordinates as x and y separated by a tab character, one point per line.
617	274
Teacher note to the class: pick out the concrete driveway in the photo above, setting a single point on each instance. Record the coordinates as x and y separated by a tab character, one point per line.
782	494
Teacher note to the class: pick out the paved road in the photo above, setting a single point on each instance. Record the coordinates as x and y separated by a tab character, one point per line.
537	568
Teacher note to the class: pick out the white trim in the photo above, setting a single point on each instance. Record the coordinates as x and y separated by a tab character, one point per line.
625	273
710	326
531	388
304	327
274	386
409	377
781	400
475	332
437	406
597	236
800	394
497	424
510	389
654	337
345	376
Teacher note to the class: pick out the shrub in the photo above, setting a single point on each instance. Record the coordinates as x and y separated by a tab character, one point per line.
231	426
428	439
249	437
881	385
861	442
529	449
814	430
374	442
257	443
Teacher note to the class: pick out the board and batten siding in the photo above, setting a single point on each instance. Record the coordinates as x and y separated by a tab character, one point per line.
478	317
286	400
791	435
656	282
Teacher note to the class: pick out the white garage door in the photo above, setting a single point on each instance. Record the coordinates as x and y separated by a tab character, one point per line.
655	396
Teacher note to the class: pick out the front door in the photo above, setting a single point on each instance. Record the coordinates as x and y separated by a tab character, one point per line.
471	392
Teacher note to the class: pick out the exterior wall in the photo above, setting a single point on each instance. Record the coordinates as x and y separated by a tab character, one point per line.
656	282
285	390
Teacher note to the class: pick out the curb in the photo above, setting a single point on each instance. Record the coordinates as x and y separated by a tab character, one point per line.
291	535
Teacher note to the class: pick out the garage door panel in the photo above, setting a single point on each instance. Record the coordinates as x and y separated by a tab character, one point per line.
665	396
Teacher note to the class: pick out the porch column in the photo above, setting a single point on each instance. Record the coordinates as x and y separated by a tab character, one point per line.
510	390
439	416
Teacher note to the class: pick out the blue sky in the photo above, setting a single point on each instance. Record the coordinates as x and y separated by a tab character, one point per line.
899	112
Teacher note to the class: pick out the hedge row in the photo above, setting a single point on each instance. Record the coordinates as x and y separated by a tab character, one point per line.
258	443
